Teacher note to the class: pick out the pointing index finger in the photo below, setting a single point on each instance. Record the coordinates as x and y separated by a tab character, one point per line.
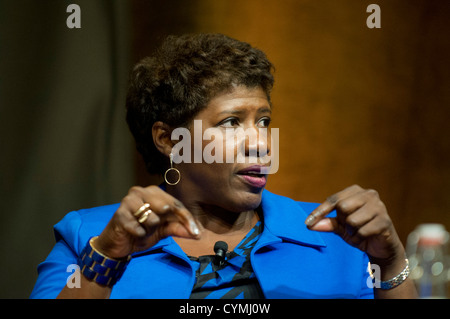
330	204
322	210
181	211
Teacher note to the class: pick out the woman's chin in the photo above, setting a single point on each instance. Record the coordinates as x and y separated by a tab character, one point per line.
245	201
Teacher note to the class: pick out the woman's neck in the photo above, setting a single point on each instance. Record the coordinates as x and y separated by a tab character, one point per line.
216	219
221	221
217	225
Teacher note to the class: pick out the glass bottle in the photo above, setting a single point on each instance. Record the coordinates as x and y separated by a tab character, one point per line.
427	250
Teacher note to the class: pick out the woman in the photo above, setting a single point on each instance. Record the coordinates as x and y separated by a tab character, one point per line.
159	241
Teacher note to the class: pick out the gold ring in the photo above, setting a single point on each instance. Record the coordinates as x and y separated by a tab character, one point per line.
141	210
144	216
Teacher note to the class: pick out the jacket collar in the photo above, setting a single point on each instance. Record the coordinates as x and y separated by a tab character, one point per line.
285	218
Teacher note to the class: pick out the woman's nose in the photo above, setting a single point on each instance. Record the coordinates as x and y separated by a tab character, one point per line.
257	142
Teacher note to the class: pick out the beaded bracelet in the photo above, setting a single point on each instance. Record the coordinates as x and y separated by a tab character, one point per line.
97	267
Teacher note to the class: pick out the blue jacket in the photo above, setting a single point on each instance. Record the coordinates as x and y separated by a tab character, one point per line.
289	260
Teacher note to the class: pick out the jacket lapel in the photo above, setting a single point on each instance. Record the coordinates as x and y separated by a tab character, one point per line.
285	218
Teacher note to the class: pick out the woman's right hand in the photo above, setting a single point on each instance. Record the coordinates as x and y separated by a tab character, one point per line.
124	234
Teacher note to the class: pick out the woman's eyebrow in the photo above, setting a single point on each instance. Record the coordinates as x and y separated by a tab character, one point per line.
243	111
265	110
232	111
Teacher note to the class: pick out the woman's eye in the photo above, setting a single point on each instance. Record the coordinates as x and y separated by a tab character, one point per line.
229	122
264	122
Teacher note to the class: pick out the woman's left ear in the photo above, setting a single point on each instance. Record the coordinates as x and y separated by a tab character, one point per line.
161	133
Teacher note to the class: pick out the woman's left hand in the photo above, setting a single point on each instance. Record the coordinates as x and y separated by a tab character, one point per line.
362	221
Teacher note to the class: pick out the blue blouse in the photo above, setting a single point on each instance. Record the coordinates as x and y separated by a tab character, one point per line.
235	279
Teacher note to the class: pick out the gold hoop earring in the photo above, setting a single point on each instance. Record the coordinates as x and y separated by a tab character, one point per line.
172	169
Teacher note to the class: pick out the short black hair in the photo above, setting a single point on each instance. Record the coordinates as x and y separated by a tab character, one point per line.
179	80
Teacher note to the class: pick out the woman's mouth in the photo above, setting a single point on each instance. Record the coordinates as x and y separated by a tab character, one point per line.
252	175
